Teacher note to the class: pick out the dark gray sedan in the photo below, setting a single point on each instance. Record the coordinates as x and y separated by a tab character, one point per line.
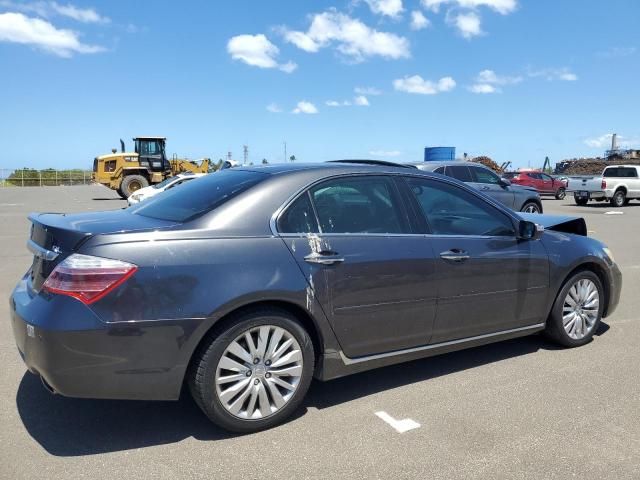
515	197
248	283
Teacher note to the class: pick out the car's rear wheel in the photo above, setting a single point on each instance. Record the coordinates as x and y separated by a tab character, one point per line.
580	201
531	207
577	310
619	199
560	194
254	374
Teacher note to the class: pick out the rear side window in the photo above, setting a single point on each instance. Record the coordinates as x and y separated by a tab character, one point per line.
459	172
620	172
449	210
439	170
298	217
482	175
197	198
359	205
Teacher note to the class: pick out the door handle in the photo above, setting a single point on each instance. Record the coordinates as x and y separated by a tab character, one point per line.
324	258
455	255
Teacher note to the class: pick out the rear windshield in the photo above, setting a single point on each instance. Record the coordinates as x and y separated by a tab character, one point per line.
197	198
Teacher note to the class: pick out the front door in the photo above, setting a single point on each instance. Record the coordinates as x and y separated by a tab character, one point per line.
374	279
488	280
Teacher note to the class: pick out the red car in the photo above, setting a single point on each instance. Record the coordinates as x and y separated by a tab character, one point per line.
543	183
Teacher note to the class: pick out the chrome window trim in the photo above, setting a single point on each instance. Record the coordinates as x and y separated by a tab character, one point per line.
429	175
353	361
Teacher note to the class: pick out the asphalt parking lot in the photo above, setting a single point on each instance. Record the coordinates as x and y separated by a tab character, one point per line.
518	409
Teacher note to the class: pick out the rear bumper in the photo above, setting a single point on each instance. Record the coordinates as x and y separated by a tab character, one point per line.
78	355
597	195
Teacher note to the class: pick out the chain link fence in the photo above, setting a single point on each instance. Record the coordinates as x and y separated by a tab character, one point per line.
27	177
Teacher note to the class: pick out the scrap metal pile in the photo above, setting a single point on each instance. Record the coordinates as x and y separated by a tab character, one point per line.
487	162
590	166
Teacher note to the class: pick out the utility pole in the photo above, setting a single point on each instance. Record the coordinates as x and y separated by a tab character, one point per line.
245	151
285	152
229	156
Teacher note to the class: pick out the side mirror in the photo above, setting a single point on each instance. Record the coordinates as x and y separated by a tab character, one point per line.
529	230
504	182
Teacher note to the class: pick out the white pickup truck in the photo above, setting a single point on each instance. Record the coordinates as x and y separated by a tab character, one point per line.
618	184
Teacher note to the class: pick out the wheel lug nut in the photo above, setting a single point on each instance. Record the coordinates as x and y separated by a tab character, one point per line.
267	363
267	375
256	361
248	374
256	381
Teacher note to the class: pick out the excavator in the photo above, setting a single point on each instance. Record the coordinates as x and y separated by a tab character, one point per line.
126	172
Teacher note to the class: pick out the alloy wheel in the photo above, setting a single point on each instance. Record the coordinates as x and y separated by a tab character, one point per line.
581	308
259	372
531	208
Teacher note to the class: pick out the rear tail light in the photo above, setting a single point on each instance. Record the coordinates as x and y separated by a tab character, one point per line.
603	186
88	278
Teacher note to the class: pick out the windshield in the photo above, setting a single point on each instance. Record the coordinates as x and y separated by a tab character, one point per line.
197	198
165	182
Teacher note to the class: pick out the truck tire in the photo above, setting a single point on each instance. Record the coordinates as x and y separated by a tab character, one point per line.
619	199
122	195
131	183
580	201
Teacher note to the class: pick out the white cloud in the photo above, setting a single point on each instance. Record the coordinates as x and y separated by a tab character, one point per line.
417	84
258	51
361	101
352	38
617	52
49	9
468	24
604	141
84	15
18	28
489	76
551	74
501	6
385	153
332	103
483	88
418	20
389	8
305	107
274	108
367	91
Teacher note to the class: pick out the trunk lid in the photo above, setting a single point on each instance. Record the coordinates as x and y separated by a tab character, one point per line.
54	236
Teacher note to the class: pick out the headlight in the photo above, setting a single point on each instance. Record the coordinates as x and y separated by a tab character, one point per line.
608	253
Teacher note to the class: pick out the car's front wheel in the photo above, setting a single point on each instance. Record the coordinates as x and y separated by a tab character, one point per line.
253	374
577	310
531	207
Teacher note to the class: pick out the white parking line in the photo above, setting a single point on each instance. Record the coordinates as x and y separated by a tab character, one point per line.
400	426
614	212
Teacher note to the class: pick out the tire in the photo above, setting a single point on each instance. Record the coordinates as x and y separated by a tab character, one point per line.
122	195
131	183
580	201
531	207
560	194
251	407
619	199
588	320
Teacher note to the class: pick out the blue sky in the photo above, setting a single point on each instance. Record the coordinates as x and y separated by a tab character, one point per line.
513	79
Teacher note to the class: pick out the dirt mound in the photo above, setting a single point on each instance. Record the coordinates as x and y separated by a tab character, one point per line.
488	162
589	166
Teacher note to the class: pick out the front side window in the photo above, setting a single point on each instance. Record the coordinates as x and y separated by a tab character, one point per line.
358	205
450	210
459	172
482	175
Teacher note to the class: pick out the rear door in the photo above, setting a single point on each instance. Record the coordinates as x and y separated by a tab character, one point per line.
374	278
488	280
547	183
488	182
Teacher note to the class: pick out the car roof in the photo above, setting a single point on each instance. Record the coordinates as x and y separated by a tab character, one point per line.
430	166
333	167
